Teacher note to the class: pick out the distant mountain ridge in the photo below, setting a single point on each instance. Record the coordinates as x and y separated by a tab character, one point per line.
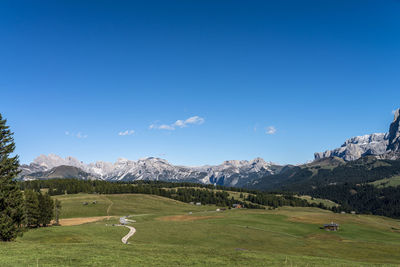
238	173
229	173
382	145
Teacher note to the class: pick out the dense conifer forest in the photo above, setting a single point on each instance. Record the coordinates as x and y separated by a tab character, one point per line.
362	198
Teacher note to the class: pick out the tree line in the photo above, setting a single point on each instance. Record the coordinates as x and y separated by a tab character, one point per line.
40	209
286	199
362	198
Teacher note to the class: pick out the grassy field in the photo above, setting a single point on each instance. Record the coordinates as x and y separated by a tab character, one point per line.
168	236
328	203
393	181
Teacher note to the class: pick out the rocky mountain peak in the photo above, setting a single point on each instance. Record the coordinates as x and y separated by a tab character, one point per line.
394	133
382	145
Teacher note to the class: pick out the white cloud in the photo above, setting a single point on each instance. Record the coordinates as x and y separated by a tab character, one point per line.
270	130
191	120
127	132
166	127
78	135
179	123
161	127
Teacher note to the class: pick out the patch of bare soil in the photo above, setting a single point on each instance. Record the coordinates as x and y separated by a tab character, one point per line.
78	221
186	218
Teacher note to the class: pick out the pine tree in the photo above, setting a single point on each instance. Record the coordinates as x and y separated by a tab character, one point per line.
32	212
11	199
57	211
46	209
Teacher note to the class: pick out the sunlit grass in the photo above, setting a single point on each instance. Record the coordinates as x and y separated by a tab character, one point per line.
282	237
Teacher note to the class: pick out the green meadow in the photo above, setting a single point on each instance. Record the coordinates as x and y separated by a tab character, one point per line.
167	235
393	181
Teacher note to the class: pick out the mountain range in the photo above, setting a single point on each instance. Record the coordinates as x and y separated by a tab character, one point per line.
229	173
236	173
382	145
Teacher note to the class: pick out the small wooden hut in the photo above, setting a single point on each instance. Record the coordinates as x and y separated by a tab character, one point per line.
331	226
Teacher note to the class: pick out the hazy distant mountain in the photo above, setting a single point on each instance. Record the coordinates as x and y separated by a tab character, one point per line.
62	171
383	145
229	173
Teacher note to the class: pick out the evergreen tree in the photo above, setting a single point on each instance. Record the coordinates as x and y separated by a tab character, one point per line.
32	212
46	209
57	211
11	199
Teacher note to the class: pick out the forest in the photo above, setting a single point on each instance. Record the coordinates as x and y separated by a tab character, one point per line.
362	198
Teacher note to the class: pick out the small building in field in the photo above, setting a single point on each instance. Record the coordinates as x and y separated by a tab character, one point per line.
331	226
123	220
352	212
198	203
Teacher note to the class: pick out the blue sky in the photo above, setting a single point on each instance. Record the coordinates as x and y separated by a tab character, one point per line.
197	82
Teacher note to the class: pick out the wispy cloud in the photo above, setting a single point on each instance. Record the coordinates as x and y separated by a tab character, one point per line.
166	127
179	123
191	120
78	135
161	127
127	132
270	130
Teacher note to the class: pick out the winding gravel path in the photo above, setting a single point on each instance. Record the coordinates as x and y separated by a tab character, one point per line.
132	231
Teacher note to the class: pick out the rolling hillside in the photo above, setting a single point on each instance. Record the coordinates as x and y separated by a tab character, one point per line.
168	235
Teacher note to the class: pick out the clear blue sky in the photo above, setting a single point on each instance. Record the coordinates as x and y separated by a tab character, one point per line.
99	80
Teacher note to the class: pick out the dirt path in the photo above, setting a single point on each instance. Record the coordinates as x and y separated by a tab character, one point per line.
78	221
132	231
109	206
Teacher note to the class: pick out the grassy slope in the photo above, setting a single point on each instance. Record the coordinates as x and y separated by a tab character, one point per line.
286	236
328	203
393	181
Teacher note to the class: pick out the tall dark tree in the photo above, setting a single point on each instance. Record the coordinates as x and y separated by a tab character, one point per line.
11	199
32	212
57	211
46	209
